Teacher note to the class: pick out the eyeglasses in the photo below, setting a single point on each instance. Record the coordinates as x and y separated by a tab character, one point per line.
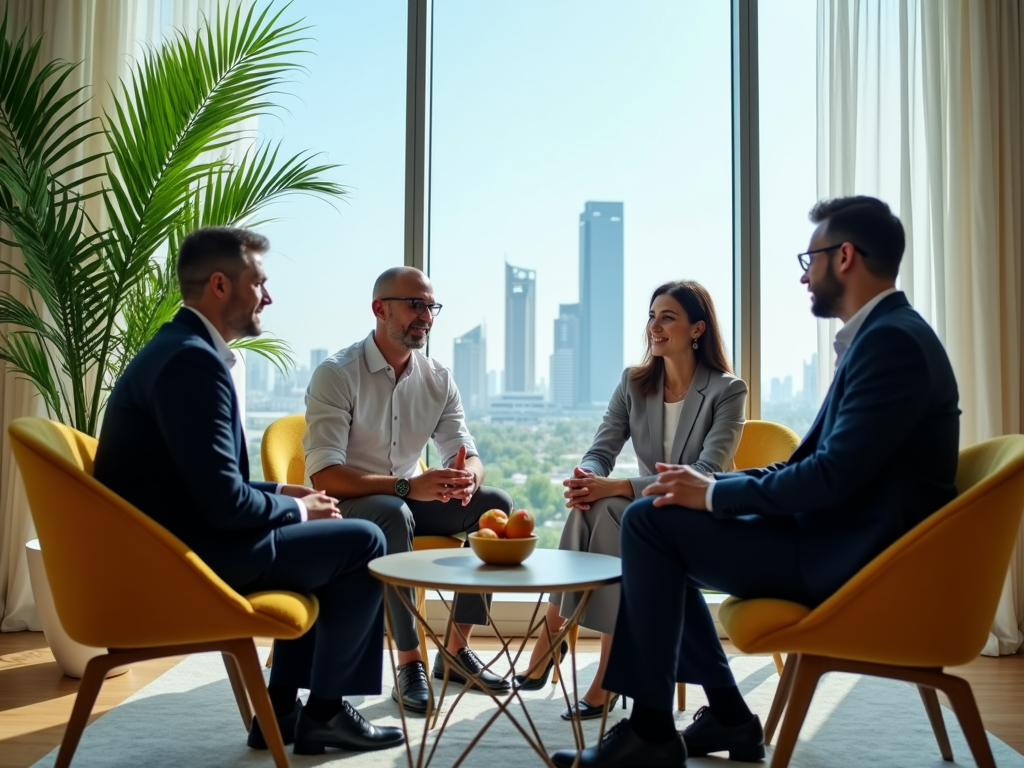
419	306
805	257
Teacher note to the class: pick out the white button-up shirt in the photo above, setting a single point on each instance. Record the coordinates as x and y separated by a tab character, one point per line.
359	416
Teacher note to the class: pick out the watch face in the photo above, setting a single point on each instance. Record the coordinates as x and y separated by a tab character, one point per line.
402	487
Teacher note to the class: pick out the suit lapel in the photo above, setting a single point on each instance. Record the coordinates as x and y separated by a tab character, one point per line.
691	407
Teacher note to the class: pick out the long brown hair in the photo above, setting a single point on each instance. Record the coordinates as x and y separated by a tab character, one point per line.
696	303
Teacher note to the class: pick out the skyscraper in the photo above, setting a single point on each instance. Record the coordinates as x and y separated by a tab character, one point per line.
564	359
469	367
316	356
601	301
520	328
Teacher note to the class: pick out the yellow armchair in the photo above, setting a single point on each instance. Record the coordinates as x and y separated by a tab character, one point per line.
925	603
123	582
284	461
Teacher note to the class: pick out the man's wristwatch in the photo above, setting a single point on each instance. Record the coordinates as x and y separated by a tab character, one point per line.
402	487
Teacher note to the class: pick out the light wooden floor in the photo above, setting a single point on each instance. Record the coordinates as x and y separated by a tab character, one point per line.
36	699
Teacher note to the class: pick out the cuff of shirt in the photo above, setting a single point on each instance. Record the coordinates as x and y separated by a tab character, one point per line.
709	493
303	512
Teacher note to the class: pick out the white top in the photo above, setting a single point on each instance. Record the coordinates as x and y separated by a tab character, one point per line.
670	426
357	415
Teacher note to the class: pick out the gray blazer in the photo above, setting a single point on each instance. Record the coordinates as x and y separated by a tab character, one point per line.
709	427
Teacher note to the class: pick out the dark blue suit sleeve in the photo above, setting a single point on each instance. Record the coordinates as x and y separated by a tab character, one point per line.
199	433
881	402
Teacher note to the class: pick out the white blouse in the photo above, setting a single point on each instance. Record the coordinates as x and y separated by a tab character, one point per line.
671	415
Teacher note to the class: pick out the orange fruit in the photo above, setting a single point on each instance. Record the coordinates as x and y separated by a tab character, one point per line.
486	533
494	520
520	525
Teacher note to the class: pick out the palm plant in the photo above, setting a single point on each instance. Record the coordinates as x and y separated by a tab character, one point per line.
101	285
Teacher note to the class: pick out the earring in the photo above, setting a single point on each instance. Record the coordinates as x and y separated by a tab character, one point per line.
694	342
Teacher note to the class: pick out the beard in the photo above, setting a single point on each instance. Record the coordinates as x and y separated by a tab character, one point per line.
243	320
404	336
825	295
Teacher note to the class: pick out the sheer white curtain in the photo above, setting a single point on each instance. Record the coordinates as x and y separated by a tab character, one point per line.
105	36
919	103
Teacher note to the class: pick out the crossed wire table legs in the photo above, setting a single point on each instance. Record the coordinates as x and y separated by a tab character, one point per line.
502	700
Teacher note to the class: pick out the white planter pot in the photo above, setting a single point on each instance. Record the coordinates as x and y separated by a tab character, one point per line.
71	656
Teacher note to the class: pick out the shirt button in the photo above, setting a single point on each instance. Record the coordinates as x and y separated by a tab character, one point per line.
394	443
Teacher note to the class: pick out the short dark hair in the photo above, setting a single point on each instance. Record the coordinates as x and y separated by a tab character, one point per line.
215	249
870	225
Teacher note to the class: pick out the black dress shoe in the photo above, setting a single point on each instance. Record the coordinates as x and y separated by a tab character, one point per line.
589	711
622	748
744	742
286	724
415	690
524	683
346	730
469	664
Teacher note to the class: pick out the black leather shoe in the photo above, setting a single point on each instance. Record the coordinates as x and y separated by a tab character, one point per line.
622	748
415	690
286	724
744	742
589	711
346	730
524	683
469	664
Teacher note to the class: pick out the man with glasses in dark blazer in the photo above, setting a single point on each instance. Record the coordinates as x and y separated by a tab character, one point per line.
880	457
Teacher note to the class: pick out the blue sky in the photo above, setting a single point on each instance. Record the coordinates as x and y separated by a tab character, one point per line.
539	106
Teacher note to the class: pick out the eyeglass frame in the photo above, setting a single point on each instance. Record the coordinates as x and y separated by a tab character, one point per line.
434	309
808	254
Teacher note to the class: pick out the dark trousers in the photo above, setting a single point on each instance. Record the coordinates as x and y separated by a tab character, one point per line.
341	655
400	519
664	632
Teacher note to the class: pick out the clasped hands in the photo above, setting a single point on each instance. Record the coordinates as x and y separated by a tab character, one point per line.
454	482
319	506
677	484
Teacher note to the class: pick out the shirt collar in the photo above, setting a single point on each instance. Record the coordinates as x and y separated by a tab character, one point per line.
223	350
375	359
846	334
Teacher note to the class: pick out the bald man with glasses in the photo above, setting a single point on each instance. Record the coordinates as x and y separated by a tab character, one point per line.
370	410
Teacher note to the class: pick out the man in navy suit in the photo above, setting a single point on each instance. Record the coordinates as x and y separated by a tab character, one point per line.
880	457
172	444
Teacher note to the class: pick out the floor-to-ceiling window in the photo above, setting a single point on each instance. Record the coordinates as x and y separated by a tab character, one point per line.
349	106
580	156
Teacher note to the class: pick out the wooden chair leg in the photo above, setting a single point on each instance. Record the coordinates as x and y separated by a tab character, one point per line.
681	697
95	672
248	663
778	662
960	696
270	658
238	688
934	710
805	680
781	697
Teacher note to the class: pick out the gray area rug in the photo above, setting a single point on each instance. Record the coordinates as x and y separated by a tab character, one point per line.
187	717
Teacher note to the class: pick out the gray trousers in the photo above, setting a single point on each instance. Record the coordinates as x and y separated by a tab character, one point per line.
400	519
595	530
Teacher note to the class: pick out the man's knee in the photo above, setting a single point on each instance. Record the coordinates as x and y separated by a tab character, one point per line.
391	513
637	517
494	498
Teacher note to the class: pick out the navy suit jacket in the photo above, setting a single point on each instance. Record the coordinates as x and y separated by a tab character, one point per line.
880	457
172	444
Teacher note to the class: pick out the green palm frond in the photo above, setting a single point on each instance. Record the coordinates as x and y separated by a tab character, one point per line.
277	351
98	294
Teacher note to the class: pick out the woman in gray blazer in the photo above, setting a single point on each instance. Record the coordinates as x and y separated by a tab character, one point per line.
681	405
